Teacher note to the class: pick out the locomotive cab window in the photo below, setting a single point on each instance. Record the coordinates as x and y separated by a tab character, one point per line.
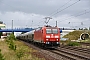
55	31
48	31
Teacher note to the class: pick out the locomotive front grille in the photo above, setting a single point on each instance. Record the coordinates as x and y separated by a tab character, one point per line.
52	43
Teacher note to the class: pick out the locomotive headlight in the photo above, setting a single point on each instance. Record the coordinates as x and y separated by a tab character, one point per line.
47	42
56	36
57	42
57	39
46	39
47	36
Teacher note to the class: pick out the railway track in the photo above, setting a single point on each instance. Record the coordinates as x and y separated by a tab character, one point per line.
72	53
77	50
83	43
69	55
83	50
46	54
63	53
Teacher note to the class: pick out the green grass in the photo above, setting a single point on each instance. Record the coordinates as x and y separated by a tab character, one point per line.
86	41
12	55
73	44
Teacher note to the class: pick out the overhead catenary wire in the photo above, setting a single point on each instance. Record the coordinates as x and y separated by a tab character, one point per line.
65	8
83	13
56	10
86	12
59	8
61	11
81	24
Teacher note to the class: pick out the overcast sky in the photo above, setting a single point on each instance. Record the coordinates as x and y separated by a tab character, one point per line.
31	13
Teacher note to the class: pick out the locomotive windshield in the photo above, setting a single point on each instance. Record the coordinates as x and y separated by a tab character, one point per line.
50	31
55	31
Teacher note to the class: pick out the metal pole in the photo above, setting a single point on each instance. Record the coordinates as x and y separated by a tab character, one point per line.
12	26
56	23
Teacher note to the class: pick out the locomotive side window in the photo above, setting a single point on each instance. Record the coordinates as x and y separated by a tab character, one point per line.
48	31
55	31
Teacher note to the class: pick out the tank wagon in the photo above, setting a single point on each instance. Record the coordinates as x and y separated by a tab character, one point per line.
46	36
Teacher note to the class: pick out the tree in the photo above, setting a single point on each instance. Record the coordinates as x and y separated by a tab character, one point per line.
1	56
85	29
0	34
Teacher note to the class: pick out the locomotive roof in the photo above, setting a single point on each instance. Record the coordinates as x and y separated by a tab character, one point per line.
51	27
48	26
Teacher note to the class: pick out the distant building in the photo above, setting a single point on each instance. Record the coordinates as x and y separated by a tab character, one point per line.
2	26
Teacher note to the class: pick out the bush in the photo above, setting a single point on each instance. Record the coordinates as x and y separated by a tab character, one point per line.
10	42
73	44
20	53
0	34
11	37
12	45
1	56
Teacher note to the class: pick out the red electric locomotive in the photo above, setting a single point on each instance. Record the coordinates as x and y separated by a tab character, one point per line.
48	36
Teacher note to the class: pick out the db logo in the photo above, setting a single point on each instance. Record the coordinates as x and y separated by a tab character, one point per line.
52	36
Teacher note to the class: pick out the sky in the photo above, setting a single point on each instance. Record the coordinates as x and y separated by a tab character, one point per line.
32	13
